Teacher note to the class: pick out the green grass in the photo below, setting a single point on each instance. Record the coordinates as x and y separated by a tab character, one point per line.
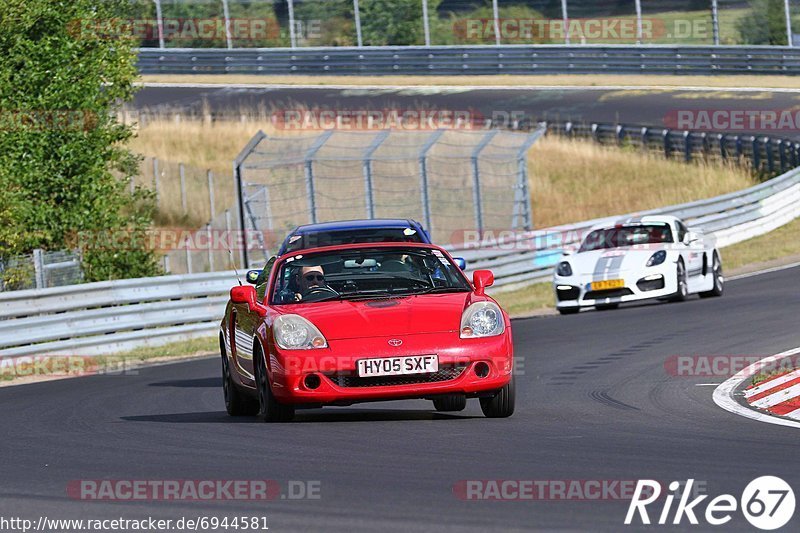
783	242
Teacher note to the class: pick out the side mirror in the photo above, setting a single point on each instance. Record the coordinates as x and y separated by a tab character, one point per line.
482	279
690	237
460	262
244	294
252	276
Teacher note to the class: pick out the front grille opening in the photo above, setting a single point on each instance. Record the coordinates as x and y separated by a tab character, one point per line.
610	293
350	379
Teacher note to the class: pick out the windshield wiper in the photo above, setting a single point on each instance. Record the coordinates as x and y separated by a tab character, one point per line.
442	290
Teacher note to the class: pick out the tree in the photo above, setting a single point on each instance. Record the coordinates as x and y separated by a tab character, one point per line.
394	22
765	23
65	67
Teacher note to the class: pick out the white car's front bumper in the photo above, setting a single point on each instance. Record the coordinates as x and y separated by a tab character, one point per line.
643	284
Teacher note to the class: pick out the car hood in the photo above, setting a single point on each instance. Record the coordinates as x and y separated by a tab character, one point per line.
345	319
605	264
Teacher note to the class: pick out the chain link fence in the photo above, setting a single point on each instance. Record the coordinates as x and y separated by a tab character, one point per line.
39	270
449	180
309	23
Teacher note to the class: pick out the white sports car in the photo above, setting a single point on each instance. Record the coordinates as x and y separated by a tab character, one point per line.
637	259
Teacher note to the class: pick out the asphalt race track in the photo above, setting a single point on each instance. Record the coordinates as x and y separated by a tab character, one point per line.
636	106
594	402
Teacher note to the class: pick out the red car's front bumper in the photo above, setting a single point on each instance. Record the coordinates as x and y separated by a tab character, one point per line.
459	363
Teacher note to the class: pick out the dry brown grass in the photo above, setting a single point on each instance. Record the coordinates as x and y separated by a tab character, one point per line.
588	80
570	180
579	180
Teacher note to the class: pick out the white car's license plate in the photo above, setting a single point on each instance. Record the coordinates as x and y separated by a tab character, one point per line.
397	366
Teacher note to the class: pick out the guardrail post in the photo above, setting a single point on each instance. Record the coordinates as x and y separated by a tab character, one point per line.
210	176
568	129
595	127
182	173
756	153
796	154
620	134
767	142
723	146
739	147
645	139
687	146
667	144
166	263
782	155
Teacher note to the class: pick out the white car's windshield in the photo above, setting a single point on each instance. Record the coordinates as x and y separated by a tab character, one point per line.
366	273
630	235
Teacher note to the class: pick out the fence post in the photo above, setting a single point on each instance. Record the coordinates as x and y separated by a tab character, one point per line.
426	28
159	24
309	173
156	181
565	19
292	36
367	168
423	176
496	17
788	13
211	194
715	21
38	267
182	172
639	30
476	179
188	256
227	14
210	249
357	17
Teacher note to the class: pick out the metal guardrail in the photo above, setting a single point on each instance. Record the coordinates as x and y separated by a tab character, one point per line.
110	316
472	60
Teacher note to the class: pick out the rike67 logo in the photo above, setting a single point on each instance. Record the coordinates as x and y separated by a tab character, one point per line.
767	503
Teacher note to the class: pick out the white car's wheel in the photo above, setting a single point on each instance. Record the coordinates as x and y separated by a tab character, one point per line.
719	279
683	285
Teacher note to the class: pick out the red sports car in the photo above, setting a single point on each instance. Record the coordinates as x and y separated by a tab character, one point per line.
365	322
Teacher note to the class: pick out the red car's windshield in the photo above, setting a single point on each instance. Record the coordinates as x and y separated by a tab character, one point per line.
366	273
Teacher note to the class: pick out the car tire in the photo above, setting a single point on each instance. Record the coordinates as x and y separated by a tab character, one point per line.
719	279
269	408
450	403
570	310
606	307
236	402
502	404
683	285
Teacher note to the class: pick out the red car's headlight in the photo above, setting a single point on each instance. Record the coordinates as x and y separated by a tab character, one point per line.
482	319
293	332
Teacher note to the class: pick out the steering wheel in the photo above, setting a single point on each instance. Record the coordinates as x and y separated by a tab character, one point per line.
320	290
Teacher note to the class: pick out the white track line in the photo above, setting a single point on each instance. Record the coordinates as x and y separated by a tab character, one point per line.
460	88
760	272
723	395
771	384
777	397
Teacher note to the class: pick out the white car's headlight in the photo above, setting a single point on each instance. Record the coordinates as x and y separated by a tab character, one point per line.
293	332
564	269
482	319
657	258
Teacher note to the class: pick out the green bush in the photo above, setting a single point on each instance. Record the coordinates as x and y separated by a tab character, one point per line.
64	168
766	24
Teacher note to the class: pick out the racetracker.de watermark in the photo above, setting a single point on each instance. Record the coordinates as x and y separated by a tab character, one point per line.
734	120
29	366
47	120
193	489
380	119
608	29
194	29
545	489
725	365
168	239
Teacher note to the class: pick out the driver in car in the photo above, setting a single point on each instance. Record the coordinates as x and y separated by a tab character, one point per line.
311	277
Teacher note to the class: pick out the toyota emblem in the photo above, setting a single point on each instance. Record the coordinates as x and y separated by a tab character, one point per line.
395	342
